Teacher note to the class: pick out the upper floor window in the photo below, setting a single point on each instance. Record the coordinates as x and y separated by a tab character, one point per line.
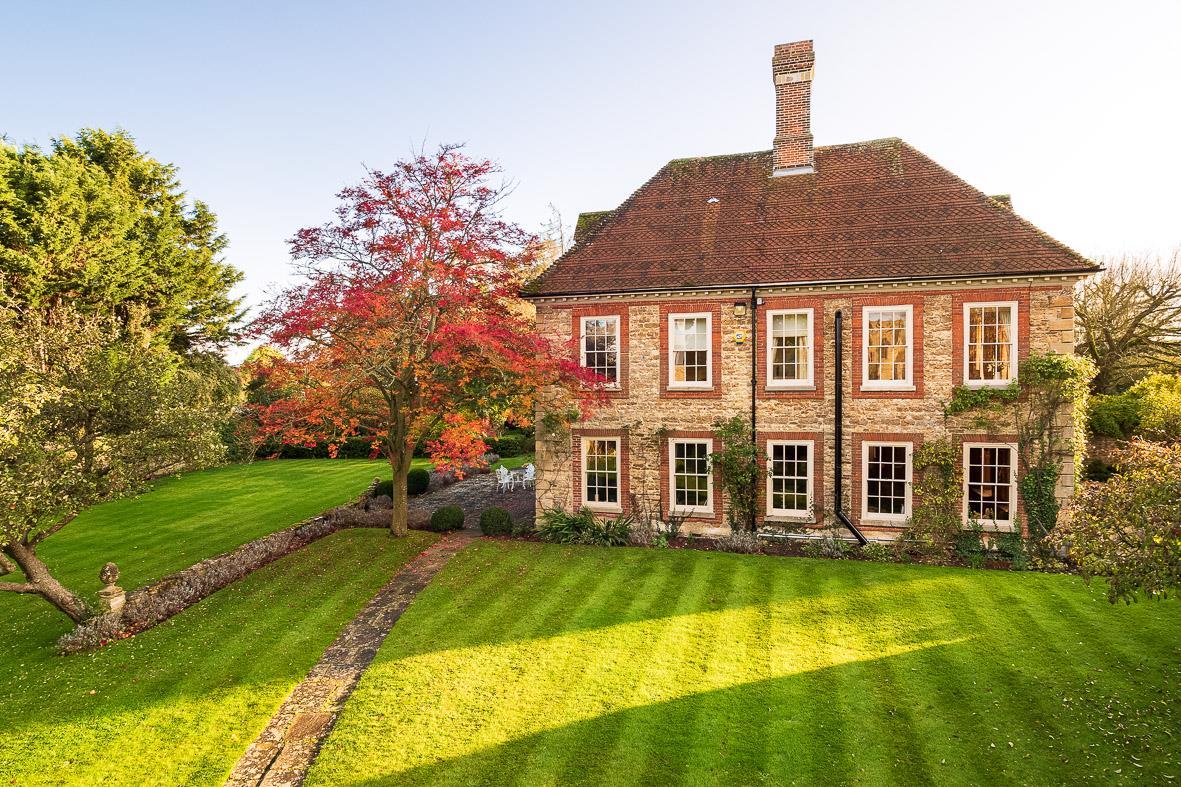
691	481
600	472
789	478
886	480
990	343
690	350
887	347
789	348
600	348
989	478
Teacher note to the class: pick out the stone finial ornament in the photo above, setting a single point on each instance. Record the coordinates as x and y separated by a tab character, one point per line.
112	596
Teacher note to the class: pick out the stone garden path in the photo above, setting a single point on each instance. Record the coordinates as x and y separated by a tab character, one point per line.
284	751
473	495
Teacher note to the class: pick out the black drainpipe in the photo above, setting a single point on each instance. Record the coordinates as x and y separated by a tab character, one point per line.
839	375
754	378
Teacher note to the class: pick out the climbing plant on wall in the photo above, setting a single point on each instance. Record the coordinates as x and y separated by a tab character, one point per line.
1049	389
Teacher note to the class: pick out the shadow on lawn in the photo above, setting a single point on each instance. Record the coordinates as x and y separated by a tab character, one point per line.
817	727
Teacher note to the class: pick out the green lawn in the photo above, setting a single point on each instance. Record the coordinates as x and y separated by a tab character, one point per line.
180	703
535	664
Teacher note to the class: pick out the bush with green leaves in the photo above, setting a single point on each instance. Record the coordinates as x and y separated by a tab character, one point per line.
418	480
741	541
496	521
446	518
558	527
1012	548
879	552
969	545
1128	530
828	544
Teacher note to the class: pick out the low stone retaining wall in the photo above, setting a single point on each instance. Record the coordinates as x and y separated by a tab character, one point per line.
150	605
153	604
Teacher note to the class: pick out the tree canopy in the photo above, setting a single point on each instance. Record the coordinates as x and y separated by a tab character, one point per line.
407	322
100	225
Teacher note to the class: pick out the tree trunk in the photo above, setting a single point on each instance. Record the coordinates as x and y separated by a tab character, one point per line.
400	467
40	582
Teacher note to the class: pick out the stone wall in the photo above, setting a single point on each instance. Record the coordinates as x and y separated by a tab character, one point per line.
645	411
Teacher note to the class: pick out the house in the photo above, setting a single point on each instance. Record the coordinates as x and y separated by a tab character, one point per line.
835	296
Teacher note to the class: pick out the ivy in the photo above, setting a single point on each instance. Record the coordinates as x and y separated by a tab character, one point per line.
965	398
1047	384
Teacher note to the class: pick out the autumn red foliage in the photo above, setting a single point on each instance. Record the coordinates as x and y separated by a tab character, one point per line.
406	326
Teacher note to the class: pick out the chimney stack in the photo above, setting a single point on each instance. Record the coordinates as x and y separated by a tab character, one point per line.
791	68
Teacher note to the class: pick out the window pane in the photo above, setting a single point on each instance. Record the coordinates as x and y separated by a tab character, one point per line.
691	350
789	347
989	472
885	479
886	345
601	468
691	481
789	478
600	347
990	341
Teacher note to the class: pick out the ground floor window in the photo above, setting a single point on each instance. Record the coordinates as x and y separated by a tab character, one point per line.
690	479
600	472
886	480
789	478
989	479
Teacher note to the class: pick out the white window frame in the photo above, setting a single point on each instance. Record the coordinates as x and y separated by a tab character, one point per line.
887	385
995	524
617	506
618	384
907	507
1013	344
807	382
808	514
673	383
673	508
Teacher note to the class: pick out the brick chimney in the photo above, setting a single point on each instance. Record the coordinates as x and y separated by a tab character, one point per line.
791	69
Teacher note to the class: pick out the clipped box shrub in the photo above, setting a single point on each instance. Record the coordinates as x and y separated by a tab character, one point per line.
417	481
496	521
447	518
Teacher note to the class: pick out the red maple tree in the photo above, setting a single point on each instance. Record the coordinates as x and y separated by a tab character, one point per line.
406	325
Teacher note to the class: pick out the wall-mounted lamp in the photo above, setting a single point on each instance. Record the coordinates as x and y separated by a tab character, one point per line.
740	309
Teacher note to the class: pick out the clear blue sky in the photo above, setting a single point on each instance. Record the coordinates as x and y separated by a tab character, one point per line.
269	108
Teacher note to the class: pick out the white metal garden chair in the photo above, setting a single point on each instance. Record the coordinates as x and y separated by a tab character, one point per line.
530	476
504	479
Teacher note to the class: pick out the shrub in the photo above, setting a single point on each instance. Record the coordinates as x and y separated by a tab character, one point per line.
447	518
417	481
827	545
1098	470
510	444
385	488
558	527
969	545
1011	548
496	521
1114	415
1160	409
742	541
1126	530
878	552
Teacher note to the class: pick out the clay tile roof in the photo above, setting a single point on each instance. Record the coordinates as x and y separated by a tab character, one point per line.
872	210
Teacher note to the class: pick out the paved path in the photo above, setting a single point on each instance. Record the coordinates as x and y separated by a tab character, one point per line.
285	750
473	495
